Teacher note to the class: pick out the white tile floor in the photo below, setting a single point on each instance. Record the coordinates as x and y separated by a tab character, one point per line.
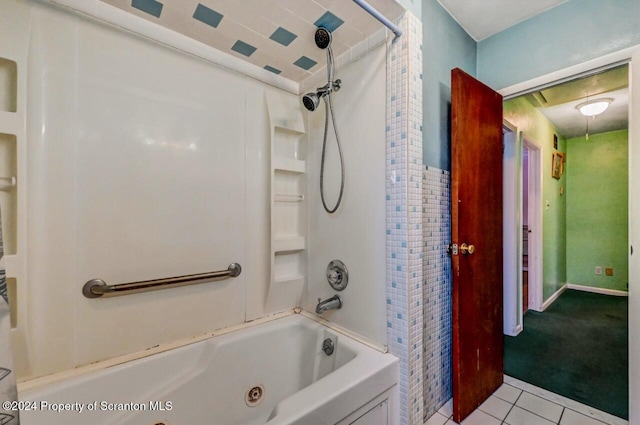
519	403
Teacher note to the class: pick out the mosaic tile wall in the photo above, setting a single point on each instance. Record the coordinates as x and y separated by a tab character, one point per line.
437	289
404	214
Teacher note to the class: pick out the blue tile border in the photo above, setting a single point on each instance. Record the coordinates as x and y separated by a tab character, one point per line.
243	48
152	7
283	36
329	21
272	69
305	63
207	16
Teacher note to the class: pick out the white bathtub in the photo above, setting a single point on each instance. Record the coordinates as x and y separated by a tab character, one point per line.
206	382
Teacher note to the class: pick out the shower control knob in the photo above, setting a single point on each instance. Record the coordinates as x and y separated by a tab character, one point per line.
337	275
337	85
334	276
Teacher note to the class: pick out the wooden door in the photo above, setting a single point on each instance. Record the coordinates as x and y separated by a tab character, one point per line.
476	198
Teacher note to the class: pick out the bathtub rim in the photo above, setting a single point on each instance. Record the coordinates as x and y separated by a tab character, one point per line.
44	381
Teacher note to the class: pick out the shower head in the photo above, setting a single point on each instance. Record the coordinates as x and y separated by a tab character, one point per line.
323	38
311	101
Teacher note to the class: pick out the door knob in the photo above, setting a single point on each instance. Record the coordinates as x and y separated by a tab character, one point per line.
467	249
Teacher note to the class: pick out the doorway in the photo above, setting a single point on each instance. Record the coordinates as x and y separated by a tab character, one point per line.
531	226
565	259
522	191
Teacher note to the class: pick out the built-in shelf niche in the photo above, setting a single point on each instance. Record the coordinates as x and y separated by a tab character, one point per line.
289	149
288	197
288	190
289	205
8	192
288	267
8	85
13	302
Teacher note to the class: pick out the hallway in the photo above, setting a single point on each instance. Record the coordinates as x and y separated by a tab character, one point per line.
577	348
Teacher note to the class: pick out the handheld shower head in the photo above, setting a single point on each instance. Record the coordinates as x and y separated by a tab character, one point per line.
311	101
323	38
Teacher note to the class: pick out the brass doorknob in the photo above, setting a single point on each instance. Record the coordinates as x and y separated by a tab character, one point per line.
467	249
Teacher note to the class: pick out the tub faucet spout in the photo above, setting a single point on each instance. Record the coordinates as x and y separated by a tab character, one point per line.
333	303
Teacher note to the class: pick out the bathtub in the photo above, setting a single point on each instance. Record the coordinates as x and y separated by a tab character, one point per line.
274	373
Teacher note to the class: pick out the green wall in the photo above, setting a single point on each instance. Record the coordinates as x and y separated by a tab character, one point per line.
597	209
537	129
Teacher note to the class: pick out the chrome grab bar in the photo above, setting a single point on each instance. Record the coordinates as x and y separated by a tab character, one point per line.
96	288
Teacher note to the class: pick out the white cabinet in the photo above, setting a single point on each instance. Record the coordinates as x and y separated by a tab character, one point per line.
379	411
377	416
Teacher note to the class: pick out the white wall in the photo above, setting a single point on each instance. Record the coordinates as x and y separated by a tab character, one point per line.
142	163
355	234
634	239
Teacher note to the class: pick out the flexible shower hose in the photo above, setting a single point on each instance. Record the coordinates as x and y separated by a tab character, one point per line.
328	108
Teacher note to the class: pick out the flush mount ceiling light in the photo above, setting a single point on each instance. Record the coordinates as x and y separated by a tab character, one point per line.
594	107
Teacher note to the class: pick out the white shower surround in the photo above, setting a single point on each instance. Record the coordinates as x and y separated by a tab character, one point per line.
142	163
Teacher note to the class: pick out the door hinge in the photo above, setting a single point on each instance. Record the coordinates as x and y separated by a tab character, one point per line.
452	249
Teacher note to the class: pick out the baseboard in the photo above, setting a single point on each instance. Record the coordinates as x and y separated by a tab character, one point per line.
513	332
604	291
553	297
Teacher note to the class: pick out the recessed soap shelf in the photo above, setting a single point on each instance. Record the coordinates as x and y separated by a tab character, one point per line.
289	279
283	197
8	82
7	183
295	243
289	165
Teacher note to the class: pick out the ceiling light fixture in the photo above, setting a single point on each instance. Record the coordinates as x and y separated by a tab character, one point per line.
594	107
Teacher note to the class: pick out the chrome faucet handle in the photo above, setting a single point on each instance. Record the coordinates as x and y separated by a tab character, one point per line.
337	275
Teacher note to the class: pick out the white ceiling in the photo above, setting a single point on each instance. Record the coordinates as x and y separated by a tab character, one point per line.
558	103
571	123
483	18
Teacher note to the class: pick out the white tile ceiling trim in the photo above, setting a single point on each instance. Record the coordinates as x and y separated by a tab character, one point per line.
112	15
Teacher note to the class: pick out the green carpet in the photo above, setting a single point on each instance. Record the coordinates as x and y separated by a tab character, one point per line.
577	348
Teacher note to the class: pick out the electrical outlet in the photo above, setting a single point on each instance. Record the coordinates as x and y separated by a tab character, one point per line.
598	270
608	271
